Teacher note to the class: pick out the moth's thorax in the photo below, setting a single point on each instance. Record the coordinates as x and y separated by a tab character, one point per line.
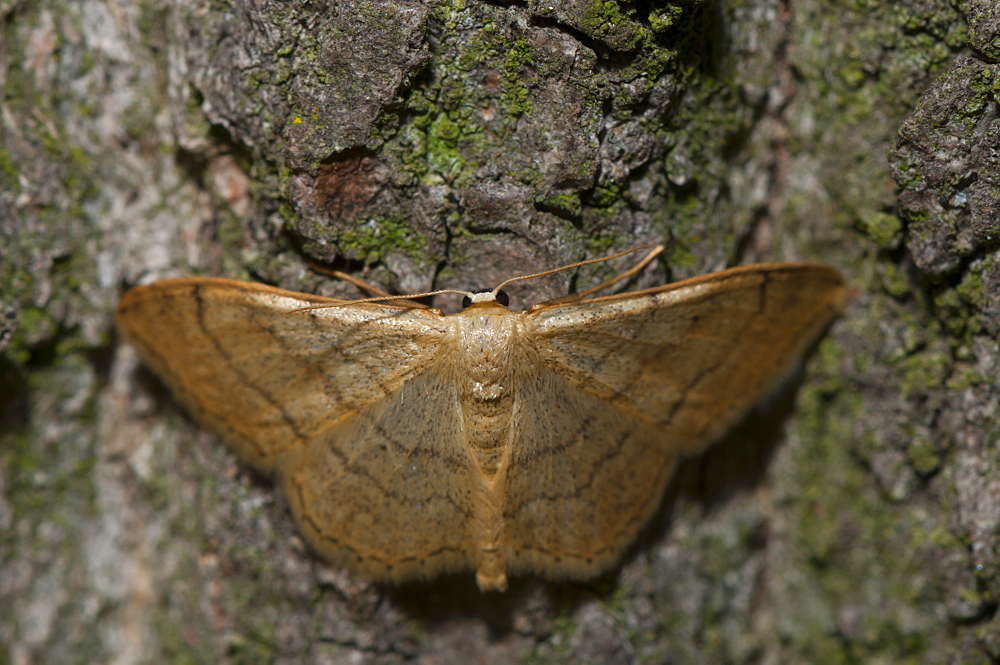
488	334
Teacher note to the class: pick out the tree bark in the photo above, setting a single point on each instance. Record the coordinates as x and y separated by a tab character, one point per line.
853	518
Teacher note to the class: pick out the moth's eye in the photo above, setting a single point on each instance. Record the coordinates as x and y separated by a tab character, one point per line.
503	298
466	301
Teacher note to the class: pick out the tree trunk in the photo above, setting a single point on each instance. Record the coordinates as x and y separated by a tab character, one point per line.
853	518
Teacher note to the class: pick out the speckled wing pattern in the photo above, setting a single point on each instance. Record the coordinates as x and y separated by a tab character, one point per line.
363	410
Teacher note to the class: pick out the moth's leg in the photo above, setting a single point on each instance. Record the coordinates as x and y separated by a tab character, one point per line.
365	286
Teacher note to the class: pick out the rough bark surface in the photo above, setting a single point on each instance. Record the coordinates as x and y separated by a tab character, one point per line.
854	518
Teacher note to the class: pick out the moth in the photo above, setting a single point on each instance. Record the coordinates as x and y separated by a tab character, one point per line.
410	443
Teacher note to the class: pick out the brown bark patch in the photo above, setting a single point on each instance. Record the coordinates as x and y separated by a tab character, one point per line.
347	183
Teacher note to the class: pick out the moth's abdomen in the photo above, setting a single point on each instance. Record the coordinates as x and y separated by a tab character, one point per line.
487	425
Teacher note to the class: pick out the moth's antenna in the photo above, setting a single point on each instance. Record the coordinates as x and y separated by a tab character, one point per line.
380	294
639	266
467	294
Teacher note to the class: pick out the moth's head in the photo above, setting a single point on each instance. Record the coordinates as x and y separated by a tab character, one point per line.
497	296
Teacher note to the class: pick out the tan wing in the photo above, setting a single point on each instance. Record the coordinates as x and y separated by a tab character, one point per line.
354	406
632	383
267	378
581	479
394	492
